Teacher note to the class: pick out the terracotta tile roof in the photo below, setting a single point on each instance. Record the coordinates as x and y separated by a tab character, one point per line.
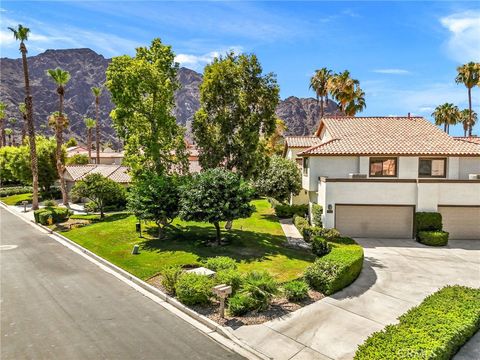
471	139
388	136
302	141
115	172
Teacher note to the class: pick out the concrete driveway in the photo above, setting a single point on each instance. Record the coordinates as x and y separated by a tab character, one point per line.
397	274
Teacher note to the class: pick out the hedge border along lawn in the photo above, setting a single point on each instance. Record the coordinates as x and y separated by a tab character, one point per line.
435	329
346	261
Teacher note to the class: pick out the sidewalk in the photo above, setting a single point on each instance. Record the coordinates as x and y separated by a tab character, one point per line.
294	238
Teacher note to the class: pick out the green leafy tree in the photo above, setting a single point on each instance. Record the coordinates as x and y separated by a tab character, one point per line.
100	190
71	142
97	92
469	75
77	159
446	114
155	198
216	195
275	142
143	89
320	83
90	124
468	120
21	33
280	180
237	108
59	121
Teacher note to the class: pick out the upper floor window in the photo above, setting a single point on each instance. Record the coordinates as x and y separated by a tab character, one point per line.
432	167
383	167
305	166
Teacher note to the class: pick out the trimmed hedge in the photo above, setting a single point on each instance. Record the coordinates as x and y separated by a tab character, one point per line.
300	223
320	246
435	329
433	238
338	269
15	190
56	214
317	211
288	211
219	263
193	289
428	221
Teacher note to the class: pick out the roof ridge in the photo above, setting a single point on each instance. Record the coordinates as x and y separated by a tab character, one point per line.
319	145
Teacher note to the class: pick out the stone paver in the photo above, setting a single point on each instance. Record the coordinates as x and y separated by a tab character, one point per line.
397	275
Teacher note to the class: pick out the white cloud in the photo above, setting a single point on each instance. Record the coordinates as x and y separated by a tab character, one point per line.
463	44
197	62
392	71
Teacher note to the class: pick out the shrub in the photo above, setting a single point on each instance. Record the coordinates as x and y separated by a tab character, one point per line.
296	290
287	211
428	221
193	289
338	269
435	329
230	277
90	207
53	192
317	211
433	238
310	232
331	234
239	304
320	246
170	277
56	214
50	203
15	190
220	263
260	286
300	223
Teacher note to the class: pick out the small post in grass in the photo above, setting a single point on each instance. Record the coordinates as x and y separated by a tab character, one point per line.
24	203
135	250
222	291
138	227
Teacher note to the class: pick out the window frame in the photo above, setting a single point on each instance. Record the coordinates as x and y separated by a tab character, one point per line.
305	165
382	158
444	176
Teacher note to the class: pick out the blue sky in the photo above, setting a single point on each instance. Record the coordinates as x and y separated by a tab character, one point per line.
404	53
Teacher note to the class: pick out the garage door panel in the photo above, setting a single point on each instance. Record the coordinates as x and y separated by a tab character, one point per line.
462	222
375	221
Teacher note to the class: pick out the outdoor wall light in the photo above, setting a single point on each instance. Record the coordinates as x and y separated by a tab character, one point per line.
329	208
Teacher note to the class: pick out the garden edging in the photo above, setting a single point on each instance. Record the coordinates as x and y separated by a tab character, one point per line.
210	324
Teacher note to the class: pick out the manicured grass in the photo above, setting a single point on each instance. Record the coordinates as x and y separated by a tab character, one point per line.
257	243
16	199
435	329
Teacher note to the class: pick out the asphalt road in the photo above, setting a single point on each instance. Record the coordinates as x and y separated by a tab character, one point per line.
57	305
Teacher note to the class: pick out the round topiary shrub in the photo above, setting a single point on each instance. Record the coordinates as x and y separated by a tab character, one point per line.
320	246
296	290
193	289
433	238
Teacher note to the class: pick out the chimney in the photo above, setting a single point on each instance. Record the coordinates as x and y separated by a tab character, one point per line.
408	115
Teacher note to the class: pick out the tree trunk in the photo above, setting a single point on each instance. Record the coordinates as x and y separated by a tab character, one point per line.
89	145
2	134
470	124
445	127
97	128
24	129
102	214
58	153
218	234
321	107
31	128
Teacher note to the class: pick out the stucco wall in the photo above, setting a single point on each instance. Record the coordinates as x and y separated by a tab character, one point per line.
468	165
328	166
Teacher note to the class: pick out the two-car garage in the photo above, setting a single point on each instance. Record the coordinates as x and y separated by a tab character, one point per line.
397	221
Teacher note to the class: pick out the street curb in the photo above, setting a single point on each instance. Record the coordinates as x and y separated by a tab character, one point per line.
210	324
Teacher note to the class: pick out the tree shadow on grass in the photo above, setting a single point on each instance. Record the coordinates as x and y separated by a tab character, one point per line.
241	245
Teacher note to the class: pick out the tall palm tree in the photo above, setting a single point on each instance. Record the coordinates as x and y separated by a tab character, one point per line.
319	83
466	121
446	115
90	124
469	75
21	33
60	78
343	89
357	104
12	122
97	92
23	110
9	133
3	141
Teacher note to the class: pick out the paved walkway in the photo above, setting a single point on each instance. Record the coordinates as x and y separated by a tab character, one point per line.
397	275
294	238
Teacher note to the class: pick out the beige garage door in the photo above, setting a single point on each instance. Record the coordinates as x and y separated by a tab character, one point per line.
461	222
375	221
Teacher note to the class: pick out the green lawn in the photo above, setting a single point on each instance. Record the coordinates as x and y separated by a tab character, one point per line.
16	199
256	242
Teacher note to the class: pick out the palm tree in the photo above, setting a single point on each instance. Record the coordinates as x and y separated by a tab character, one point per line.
60	78
21	33
97	92
9	133
3	141
466	121
90	124
23	110
357	104
12	122
343	89
469	75
446	115
319	83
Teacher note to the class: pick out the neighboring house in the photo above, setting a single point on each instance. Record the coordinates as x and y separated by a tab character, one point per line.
193	163
117	173
371	174
107	157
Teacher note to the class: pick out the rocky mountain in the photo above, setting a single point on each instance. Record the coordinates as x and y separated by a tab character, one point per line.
87	69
